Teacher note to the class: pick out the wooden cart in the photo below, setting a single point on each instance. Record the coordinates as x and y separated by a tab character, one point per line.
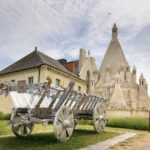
45	104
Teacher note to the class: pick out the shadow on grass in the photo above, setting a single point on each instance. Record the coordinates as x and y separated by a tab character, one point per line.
46	141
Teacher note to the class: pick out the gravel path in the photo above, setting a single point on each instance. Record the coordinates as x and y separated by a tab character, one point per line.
139	142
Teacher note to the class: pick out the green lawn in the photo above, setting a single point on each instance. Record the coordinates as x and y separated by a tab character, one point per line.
43	137
83	136
5	129
130	123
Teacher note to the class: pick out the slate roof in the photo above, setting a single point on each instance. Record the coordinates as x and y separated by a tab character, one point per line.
33	60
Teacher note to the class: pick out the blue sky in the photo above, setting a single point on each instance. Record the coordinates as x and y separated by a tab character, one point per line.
60	28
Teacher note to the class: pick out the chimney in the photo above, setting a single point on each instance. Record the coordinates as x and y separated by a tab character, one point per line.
35	48
114	31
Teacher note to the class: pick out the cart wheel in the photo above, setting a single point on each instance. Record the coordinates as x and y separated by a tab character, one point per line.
99	117
23	129
75	123
64	123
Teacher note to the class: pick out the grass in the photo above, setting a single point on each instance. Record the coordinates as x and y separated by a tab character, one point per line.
6	130
83	136
43	137
46	141
5	116
130	123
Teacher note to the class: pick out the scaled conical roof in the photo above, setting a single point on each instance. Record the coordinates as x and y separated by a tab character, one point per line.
114	55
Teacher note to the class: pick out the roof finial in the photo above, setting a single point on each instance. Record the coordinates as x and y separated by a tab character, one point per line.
35	48
142	76
134	68
114	30
89	53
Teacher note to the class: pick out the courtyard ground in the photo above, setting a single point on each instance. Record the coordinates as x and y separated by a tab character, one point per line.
43	138
140	142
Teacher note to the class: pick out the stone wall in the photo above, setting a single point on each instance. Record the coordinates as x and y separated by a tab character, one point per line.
6	104
127	113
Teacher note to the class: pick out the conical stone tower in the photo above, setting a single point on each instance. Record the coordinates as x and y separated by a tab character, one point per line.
117	82
115	63
114	56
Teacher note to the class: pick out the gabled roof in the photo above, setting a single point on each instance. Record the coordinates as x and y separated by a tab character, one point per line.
33	60
114	56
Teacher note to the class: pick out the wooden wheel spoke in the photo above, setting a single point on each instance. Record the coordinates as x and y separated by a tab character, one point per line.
96	116
103	123
61	115
97	123
17	128
102	110
71	118
100	127
63	123
21	130
60	120
59	129
63	134
25	130
69	131
99	117
29	126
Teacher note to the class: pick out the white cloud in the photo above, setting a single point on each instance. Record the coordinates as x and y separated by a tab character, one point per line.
60	27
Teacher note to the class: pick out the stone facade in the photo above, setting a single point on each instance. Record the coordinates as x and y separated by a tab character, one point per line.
88	70
115	79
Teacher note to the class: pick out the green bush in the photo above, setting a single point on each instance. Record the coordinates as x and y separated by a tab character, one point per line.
5	116
130	123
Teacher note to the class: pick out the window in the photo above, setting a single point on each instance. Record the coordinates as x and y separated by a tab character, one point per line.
57	82
30	80
12	81
79	88
92	83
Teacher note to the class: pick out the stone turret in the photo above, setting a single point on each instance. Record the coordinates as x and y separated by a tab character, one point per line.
82	58
114	55
142	81
88	70
144	101
128	74
134	74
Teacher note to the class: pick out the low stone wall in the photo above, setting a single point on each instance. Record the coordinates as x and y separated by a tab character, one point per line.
5	104
128	113
6	107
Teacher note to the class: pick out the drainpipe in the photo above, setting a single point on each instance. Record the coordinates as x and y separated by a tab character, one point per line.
39	73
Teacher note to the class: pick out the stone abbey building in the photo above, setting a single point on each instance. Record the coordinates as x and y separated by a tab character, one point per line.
115	78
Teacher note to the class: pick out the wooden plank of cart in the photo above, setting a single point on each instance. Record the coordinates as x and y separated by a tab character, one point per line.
88	107
45	104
